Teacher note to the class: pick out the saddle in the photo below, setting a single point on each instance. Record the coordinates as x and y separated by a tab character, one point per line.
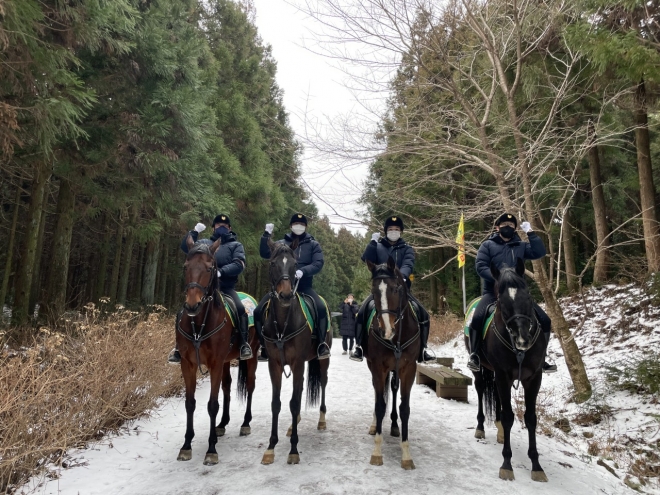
490	314
309	310
249	303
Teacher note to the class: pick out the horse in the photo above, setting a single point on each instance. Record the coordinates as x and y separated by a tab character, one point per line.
393	344
288	340
513	349
204	336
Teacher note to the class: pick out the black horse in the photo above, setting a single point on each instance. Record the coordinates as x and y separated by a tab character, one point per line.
513	349
289	341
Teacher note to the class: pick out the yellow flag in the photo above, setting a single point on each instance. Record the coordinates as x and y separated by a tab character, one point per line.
460	240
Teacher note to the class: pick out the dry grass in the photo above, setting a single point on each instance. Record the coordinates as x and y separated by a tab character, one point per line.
72	386
444	327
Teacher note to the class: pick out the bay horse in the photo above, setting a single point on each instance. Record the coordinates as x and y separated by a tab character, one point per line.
204	337
393	344
288	340
513	349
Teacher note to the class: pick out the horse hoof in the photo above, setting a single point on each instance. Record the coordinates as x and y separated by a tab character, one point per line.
372	430
506	474
269	457
321	426
245	431
184	455
293	459
376	460
219	431
407	465
289	432
539	476
211	459
479	434
394	432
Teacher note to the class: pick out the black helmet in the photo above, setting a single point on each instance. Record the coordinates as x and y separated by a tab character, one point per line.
298	218
393	222
507	217
222	219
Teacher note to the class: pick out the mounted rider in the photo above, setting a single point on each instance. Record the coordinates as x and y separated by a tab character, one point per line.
378	251
309	262
230	261
503	248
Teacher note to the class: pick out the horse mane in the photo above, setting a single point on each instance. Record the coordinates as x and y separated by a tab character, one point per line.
381	271
509	279
278	249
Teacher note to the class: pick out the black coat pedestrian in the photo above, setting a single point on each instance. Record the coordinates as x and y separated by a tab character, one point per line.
348	313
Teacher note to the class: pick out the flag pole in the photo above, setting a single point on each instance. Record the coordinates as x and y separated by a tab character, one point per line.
464	304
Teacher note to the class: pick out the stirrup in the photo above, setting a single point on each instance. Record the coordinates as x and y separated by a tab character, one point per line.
263	356
471	365
245	355
426	357
549	367
356	355
323	355
174	357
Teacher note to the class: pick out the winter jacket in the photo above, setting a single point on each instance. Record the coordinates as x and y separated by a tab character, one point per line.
402	253
501	252
309	256
229	257
348	313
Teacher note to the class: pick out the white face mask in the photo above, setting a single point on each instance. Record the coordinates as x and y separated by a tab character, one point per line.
394	235
298	229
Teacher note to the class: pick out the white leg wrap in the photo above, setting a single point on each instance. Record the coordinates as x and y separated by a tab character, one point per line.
405	451
378	441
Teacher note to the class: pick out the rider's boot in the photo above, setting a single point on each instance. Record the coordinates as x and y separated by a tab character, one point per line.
246	351
323	351
424	356
357	354
263	356
174	357
474	364
550	367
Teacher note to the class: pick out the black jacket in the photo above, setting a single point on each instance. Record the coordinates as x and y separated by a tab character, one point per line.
230	257
496	250
309	256
403	254
348	313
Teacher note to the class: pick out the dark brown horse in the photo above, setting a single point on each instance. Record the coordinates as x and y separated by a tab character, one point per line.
513	349
289	341
391	351
204	337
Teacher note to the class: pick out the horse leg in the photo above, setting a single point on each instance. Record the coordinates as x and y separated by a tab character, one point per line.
504	391
372	428
226	399
275	370
296	399
325	364
498	417
480	432
251	383
531	392
407	380
213	407
378	380
190	378
394	430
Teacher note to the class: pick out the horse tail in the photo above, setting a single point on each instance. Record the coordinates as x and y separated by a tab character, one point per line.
489	392
313	382
241	390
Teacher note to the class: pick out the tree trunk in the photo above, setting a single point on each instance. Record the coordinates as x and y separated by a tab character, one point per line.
56	285
128	258
569	255
24	275
163	274
434	284
150	270
104	249
10	249
116	264
36	291
600	216
646	188
136	277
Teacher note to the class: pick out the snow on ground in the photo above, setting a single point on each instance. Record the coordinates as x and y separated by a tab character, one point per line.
142	460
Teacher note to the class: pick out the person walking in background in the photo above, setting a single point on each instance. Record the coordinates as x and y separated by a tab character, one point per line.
348	309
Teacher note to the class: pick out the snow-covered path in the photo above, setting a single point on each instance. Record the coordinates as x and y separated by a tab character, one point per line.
447	457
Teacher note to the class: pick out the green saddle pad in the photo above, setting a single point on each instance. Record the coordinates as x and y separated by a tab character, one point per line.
372	314
470	313
249	303
308	313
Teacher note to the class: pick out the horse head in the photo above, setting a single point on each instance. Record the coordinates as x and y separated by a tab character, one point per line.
390	294
199	274
516	305
282	271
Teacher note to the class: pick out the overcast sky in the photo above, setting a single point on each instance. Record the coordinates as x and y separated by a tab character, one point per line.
316	96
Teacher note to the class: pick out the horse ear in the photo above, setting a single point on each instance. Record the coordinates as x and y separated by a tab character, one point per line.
391	264
215	246
189	242
271	245
371	266
520	267
494	270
